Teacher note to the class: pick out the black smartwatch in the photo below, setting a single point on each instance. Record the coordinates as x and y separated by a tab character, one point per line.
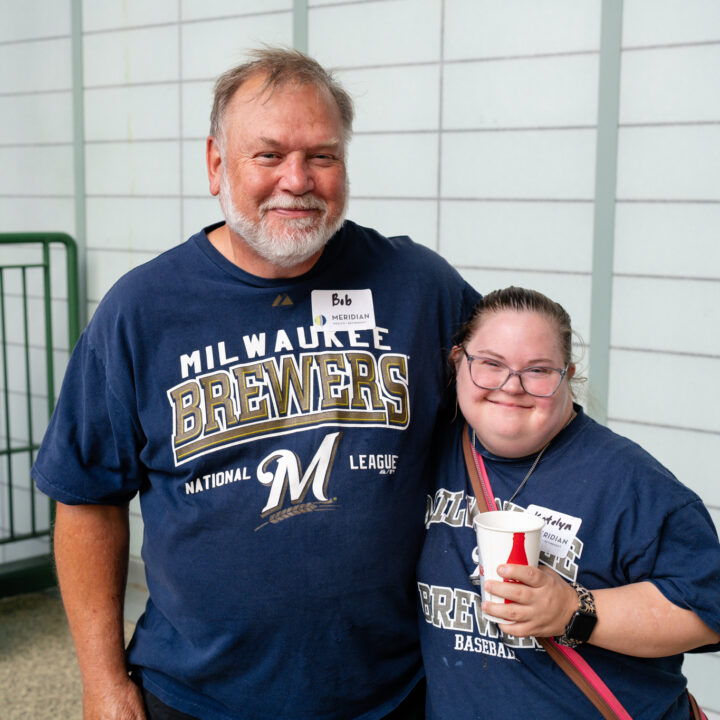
582	623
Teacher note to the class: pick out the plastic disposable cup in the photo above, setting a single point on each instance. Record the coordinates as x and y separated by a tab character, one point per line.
505	537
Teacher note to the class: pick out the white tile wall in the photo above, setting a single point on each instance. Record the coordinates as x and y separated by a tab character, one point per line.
394	165
131	56
201	9
662	22
676	84
38	18
664	389
140	112
484	28
659	314
553	164
196	104
415	218
379	33
195	177
531	235
148	168
36	118
676	163
379	105
677	239
103	15
139	224
38	66
37	170
537	92
28	214
210	48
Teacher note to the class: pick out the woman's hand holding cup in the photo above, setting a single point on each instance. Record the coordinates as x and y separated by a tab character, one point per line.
540	603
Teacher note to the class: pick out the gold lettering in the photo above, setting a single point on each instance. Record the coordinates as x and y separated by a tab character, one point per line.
188	418
362	372
248	392
216	391
290	384
395	378
330	380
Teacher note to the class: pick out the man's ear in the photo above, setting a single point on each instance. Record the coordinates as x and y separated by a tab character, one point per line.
215	168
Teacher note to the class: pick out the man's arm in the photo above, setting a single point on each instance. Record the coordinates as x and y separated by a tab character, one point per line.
91	553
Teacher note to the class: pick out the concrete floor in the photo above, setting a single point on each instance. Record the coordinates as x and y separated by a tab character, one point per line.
39	677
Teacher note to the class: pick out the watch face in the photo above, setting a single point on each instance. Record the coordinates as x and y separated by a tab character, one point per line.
581	626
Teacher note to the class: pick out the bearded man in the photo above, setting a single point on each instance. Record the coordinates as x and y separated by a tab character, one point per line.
269	388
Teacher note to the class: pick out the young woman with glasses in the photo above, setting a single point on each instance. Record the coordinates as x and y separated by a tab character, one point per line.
630	561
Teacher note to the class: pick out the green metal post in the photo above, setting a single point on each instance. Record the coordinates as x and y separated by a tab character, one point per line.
37	572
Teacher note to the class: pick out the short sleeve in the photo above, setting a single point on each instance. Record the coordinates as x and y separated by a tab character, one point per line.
90	452
683	562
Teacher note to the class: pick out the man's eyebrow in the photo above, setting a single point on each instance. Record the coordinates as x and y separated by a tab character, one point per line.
329	144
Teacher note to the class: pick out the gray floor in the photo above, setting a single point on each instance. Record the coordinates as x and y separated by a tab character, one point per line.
39	678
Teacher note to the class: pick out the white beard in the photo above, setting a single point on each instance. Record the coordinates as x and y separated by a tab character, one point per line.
291	245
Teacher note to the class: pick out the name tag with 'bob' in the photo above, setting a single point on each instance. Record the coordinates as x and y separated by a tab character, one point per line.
559	531
343	309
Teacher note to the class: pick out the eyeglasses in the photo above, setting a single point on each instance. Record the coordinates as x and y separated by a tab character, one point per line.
490	374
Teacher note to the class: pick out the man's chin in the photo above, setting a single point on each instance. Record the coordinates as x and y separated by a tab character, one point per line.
289	252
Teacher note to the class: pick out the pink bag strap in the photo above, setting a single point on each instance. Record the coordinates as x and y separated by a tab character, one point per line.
571	662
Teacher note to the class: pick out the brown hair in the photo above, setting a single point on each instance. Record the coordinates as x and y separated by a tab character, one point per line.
521	300
279	66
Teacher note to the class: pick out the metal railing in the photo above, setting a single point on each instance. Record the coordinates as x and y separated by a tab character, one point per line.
24	284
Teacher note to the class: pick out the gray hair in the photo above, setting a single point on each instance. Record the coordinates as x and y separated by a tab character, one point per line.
279	66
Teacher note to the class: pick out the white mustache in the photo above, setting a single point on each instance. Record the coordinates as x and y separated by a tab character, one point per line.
304	202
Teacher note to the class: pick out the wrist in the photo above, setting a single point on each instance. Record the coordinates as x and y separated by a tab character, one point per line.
582	620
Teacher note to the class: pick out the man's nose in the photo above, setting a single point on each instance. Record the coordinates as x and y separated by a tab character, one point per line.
296	176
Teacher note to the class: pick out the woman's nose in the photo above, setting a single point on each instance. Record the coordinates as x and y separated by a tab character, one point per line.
513	384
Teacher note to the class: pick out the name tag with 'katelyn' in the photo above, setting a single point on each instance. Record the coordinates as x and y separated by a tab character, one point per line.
343	309
559	531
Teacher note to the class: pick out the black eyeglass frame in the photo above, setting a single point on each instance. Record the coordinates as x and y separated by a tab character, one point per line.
512	372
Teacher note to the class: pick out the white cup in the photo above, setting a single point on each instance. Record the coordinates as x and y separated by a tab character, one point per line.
505	537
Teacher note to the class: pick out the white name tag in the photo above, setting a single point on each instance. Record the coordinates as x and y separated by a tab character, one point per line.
559	531
343	309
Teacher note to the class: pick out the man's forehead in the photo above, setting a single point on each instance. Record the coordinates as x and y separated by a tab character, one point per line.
259	89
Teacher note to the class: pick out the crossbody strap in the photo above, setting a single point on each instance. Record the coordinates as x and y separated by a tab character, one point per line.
574	666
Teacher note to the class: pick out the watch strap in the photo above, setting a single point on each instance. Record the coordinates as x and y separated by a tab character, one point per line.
586	611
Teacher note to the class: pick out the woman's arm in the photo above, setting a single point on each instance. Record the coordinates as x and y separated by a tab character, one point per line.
634	619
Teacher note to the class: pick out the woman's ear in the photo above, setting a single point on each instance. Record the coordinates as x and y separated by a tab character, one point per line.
455	356
571	371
